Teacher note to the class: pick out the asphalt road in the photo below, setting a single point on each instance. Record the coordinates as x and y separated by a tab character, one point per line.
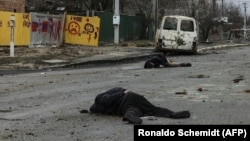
45	105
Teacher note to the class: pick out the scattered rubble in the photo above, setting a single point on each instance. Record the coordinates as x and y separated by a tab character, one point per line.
199	76
247	91
181	93
238	79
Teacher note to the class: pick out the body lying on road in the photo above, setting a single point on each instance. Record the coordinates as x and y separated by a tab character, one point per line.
159	61
131	106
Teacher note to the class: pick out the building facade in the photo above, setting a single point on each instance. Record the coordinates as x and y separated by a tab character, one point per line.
12	5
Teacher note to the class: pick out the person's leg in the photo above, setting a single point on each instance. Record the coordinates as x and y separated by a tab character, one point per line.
181	114
164	112
171	63
185	65
132	115
148	109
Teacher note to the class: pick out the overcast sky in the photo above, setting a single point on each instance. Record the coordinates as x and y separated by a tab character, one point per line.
240	3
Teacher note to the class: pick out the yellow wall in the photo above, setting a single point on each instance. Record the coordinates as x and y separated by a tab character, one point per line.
82	30
78	30
22	28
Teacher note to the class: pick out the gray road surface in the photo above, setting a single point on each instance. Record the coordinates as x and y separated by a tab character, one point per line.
45	105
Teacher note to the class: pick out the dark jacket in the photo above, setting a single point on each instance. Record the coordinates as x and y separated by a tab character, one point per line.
156	62
109	102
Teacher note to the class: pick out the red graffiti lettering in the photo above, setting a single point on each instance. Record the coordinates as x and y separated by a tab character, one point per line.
45	26
34	26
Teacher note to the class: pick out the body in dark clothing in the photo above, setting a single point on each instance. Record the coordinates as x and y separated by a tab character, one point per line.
131	106
160	61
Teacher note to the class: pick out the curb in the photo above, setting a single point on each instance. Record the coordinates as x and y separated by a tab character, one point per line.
110	60
220	47
118	59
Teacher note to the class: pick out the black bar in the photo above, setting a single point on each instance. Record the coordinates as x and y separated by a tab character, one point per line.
194	132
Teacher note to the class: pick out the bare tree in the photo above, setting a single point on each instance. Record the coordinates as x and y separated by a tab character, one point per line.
98	5
123	5
144	10
235	19
234	15
175	7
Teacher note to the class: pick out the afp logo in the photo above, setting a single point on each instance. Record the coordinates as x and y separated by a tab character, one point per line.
234	133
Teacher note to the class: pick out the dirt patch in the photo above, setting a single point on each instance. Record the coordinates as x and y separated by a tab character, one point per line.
32	58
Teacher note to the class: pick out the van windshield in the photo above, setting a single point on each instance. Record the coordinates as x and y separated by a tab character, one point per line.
170	24
187	25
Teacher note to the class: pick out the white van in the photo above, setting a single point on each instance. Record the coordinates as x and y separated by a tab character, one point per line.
177	33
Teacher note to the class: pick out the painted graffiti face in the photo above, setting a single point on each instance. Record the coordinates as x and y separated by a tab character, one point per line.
89	28
74	28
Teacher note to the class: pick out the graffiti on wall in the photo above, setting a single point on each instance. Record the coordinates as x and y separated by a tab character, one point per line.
24	17
74	27
46	30
48	26
39	30
26	20
82	30
91	31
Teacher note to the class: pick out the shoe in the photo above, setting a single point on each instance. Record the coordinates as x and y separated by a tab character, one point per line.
188	64
182	114
132	118
185	64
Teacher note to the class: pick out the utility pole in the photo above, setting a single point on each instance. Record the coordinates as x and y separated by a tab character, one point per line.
245	19
12	32
116	21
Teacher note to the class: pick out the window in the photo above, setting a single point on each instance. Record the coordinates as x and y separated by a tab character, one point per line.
170	24
187	25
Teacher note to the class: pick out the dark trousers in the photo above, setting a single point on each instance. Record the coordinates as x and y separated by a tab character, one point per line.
143	107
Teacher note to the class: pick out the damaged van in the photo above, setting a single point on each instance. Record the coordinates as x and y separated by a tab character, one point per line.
177	33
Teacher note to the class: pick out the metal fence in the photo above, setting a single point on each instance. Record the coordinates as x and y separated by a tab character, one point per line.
130	27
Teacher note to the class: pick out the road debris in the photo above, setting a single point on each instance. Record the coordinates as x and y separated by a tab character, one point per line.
200	89
238	79
181	93
247	91
199	76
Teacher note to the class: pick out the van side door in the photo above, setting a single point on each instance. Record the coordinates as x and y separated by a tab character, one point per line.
187	34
